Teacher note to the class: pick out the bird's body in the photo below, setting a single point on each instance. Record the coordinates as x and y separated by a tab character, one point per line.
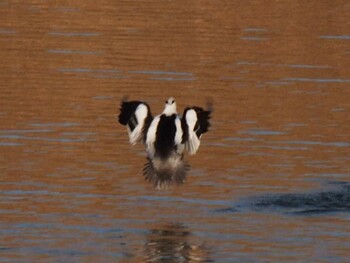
166	137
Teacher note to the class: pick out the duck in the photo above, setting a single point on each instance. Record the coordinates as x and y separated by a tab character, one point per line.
166	137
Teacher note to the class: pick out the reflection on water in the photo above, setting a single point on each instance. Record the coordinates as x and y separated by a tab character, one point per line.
171	243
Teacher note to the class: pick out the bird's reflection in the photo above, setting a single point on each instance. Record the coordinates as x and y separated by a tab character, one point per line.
172	243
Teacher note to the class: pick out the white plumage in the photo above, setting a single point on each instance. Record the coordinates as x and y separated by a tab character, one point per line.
178	136
140	116
151	137
166	137
193	142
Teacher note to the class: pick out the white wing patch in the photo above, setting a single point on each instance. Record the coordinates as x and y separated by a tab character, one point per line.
151	136
141	115
178	135
193	141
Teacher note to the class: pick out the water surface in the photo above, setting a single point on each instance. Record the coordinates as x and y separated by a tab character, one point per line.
270	182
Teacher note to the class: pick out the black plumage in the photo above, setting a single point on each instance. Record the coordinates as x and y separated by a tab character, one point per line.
164	143
127	112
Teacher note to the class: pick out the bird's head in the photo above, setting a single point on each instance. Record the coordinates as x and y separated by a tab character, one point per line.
170	107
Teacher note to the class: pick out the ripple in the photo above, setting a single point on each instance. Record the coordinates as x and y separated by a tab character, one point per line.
67	51
7	31
302	66
286	148
336	199
248	122
55	124
278	83
317	80
343	37
174	79
255	29
156	72
254	38
152	74
109	77
338	109
103	97
295	124
27	134
25	131
261	132
320	143
11	144
88	70
240	139
329	175
74	34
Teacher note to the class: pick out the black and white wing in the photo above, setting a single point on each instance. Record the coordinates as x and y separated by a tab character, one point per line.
194	122
136	115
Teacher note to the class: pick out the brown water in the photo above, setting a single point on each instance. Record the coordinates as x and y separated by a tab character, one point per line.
271	181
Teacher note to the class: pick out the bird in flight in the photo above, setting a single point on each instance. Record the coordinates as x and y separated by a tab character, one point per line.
166	136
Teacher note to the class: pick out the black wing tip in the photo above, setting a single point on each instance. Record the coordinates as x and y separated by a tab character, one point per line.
125	113
127	109
203	117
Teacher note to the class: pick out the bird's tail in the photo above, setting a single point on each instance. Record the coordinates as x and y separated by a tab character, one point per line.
165	172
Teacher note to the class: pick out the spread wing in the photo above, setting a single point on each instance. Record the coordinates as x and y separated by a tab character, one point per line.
194	122
136	116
